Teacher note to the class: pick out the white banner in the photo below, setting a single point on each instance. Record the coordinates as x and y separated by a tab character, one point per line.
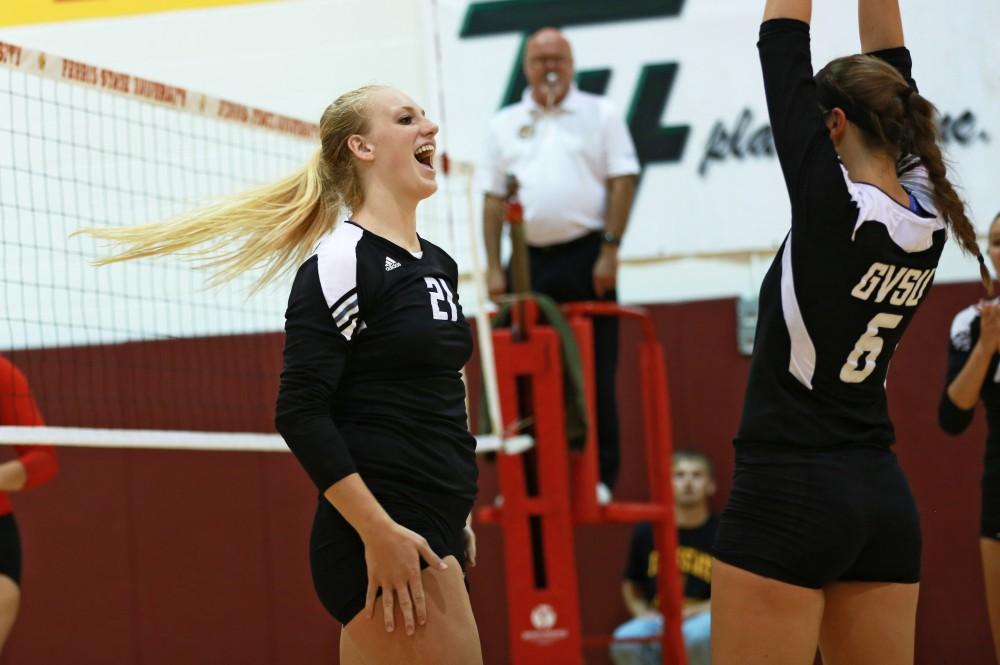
711	183
711	189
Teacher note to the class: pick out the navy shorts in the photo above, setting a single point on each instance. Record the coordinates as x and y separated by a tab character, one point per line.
990	513
10	548
809	516
337	555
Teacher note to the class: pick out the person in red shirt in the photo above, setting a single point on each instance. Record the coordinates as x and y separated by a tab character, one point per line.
33	466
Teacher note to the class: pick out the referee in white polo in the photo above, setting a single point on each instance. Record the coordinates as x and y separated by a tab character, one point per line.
576	168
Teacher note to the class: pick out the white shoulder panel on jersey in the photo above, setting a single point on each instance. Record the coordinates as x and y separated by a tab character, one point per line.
907	229
961	328
802	355
338	275
913	176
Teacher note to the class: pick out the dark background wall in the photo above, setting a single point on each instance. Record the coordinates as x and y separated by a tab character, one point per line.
153	557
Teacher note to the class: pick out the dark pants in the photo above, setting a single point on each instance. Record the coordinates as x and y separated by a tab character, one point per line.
565	273
10	548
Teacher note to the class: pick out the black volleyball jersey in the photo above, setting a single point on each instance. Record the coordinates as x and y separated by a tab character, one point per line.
847	279
374	348
953	420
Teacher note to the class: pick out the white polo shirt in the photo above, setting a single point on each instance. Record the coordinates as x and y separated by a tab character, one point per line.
562	160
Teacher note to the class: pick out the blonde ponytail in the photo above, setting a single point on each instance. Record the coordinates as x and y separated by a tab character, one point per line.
272	227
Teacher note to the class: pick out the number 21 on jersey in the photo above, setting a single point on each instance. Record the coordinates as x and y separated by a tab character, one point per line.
440	293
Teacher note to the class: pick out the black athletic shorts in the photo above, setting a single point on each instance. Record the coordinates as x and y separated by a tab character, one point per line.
810	517
337	555
10	548
990	515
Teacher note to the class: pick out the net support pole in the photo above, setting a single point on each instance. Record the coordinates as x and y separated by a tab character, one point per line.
543	620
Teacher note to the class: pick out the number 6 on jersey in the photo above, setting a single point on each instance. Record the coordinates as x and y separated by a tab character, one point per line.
871	344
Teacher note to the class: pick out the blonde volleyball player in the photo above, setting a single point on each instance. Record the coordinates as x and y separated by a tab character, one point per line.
820	541
371	400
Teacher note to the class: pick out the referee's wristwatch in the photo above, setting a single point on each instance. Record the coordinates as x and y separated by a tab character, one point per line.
609	238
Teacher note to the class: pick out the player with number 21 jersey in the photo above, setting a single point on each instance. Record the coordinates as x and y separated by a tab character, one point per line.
390	326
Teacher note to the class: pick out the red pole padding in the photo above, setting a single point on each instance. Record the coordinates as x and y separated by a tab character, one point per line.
544	623
658	447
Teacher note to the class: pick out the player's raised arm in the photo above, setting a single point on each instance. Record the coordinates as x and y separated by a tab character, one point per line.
800	10
880	25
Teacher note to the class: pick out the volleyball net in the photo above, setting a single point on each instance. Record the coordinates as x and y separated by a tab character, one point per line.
145	353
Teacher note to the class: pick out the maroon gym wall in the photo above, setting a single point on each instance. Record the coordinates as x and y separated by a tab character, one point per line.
180	558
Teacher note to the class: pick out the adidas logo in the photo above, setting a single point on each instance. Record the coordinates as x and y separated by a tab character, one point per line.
391	264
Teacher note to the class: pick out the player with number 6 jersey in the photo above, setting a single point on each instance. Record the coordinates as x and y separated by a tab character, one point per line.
833	307
821	533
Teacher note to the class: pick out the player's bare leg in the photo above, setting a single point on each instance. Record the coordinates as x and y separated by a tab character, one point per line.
869	623
10	602
760	621
449	637
990	550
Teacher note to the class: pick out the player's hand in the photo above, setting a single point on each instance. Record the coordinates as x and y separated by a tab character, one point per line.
989	326
393	557
606	270
496	282
470	544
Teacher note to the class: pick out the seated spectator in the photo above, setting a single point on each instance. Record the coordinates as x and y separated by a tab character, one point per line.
693	486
